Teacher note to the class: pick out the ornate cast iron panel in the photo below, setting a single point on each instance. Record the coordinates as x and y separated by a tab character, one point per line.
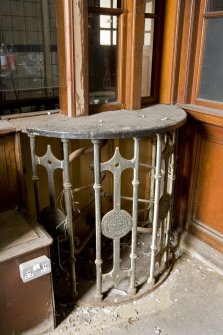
117	223
51	163
159	123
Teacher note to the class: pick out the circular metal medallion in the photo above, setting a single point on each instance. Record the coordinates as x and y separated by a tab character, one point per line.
116	224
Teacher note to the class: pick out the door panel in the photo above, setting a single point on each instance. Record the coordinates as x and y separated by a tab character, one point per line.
208	190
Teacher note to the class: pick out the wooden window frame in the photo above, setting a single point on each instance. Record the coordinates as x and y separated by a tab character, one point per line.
158	17
73	57
121	57
73	96
203	16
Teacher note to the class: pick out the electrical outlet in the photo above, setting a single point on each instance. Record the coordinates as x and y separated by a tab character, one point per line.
35	268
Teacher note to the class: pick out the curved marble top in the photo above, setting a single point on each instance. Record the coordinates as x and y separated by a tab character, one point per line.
107	125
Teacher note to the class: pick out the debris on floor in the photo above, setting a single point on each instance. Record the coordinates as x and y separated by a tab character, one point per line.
189	302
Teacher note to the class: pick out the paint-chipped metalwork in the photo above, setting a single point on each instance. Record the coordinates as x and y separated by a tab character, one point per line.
118	222
50	213
164	177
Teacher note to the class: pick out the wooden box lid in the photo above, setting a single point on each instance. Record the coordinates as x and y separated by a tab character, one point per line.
18	235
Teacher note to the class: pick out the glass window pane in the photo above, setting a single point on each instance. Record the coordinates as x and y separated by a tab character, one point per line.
148	25
215	5
212	68
105	21
105	37
115	22
150	7
28	55
105	3
147	39
147	59
114	5
102	62
114	38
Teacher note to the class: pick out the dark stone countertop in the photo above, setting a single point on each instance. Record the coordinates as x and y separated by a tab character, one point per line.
107	125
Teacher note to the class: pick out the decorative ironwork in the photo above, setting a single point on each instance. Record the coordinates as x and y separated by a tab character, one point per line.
116	224
164	183
157	123
51	214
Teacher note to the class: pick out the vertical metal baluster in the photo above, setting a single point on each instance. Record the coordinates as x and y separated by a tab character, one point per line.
68	205
157	177
97	189
152	180
171	179
117	206
116	257
35	177
135	183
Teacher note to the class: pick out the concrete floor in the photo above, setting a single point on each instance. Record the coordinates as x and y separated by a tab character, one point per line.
190	302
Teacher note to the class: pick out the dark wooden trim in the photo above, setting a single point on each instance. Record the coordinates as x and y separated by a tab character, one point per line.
105	107
9	190
10	104
105	11
151	16
146	101
187	152
20	172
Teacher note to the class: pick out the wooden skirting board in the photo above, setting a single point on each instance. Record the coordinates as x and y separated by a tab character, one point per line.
202	251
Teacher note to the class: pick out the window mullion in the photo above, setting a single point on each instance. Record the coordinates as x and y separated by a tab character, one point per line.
65	56
135	37
81	57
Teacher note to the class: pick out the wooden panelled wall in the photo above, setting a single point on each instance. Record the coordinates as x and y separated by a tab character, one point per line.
199	196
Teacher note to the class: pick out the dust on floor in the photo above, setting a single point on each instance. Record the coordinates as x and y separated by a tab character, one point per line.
189	302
